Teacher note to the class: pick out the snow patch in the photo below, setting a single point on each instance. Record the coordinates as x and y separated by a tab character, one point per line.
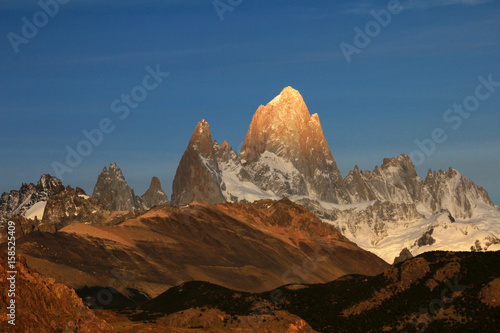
277	163
36	210
485	218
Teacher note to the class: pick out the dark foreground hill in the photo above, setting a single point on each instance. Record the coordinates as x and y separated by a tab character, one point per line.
434	292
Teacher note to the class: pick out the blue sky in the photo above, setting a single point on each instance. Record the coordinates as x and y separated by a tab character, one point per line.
395	91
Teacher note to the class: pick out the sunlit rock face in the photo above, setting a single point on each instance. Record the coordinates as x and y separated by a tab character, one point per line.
285	151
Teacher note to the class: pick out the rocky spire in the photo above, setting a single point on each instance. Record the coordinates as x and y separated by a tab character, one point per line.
46	182
201	140
285	129
357	187
225	146
198	175
113	191
155	196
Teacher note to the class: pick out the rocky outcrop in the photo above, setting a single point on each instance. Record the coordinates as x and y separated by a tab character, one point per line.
286	153
198	176
67	205
405	254
154	196
44	305
113	191
64	207
18	202
224	153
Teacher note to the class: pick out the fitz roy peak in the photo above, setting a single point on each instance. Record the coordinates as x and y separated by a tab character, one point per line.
284	133
285	154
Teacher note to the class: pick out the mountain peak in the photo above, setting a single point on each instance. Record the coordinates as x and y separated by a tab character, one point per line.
284	130
402	162
226	146
287	95
155	184
281	126
197	176
403	157
47	181
155	196
113	191
201	139
202	128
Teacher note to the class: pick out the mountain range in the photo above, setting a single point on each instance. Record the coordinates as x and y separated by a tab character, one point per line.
285	154
278	214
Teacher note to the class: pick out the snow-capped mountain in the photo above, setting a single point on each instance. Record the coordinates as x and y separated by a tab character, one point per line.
29	200
285	154
397	181
453	191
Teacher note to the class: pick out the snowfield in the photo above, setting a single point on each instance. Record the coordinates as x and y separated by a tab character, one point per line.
482	229
36	211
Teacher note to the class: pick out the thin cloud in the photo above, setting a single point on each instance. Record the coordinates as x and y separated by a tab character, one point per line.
33	5
360	8
427	4
364	7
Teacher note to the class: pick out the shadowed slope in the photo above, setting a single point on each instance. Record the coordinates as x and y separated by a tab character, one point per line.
252	247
